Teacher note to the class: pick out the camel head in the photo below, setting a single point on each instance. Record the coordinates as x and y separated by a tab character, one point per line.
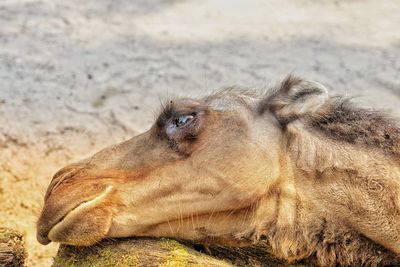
199	173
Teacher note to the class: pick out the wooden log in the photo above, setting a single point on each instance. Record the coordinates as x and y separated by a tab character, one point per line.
12	250
161	252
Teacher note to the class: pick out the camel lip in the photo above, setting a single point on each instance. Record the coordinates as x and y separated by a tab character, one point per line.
43	239
81	207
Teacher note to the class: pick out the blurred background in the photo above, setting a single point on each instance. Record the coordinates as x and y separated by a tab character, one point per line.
76	76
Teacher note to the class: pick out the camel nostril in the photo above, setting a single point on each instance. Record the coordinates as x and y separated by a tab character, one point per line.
61	176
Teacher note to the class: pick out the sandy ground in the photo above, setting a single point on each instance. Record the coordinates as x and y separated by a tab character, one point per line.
76	76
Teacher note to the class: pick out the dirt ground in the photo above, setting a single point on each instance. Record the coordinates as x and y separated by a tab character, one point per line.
76	76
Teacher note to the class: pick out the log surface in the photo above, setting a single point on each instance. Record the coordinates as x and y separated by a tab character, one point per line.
161	252
12	250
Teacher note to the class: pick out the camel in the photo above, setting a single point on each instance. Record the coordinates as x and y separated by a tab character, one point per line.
313	176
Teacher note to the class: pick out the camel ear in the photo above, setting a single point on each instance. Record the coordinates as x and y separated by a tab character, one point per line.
294	98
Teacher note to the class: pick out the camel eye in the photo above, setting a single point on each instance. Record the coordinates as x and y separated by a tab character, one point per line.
181	126
183	120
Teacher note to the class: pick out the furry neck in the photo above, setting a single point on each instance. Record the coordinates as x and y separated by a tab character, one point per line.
329	202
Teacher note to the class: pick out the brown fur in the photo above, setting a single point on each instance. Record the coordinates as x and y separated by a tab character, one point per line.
322	243
341	120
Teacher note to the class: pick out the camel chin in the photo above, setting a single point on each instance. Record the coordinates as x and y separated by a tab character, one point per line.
84	225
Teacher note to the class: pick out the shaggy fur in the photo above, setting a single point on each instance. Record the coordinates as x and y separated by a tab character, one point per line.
325	241
341	120
326	244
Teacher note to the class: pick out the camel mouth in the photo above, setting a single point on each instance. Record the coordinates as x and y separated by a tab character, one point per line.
70	219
